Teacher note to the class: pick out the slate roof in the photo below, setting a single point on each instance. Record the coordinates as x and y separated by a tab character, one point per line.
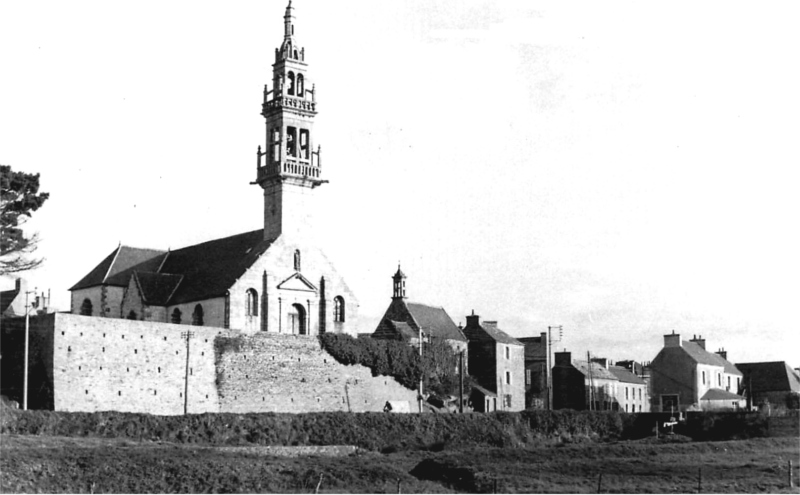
535	348
435	321
624	375
6	298
597	371
207	269
719	394
121	259
404	329
775	376
490	332
702	356
156	288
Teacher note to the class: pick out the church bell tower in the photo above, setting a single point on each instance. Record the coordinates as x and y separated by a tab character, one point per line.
288	168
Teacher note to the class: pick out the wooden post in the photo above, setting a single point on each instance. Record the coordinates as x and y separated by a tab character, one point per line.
398	486
699	480
599	482
791	475
316	490
461	382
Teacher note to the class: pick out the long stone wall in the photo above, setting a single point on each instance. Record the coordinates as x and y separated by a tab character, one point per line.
292	373
101	364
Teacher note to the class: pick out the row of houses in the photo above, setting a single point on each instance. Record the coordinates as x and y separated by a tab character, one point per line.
516	373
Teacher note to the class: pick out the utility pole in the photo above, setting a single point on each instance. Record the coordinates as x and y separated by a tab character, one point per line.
28	307
186	335
461	382
591	380
549	361
419	395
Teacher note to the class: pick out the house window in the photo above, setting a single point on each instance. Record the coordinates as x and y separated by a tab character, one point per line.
508	378
176	316
507	400
86	307
704	378
251	305
338	309
626	407
626	398
527	377
719	379
197	316
729	384
508	352
640	394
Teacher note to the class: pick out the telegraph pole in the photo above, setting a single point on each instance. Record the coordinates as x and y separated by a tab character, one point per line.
550	363
28	307
186	335
461	382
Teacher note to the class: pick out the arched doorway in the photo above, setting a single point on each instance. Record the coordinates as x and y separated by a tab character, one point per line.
297	319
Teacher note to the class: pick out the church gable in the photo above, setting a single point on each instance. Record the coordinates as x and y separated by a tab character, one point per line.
297	282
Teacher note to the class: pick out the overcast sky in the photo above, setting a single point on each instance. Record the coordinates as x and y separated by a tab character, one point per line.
621	169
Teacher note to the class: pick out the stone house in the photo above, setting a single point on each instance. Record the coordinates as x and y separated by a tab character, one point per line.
497	364
596	384
774	383
408	321
276	279
536	371
686	376
631	393
582	385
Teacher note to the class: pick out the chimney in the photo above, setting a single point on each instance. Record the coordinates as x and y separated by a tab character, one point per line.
563	358
492	324
473	320
604	362
723	353
18	285
672	340
699	340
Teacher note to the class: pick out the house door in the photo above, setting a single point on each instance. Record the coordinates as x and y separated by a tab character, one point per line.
297	319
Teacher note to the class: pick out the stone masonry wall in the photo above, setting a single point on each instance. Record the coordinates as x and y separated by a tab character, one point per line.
292	373
102	364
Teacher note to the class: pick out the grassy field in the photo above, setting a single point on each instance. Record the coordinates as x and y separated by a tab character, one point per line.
31	463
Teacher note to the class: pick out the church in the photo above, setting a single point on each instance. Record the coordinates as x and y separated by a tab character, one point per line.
276	279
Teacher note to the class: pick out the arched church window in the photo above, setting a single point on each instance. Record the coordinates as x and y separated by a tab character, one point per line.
300	84
338	309
251	304
290	89
86	307
197	316
132	315
297	260
176	316
295	53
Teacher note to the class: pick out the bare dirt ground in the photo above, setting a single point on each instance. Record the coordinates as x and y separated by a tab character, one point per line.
83	465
